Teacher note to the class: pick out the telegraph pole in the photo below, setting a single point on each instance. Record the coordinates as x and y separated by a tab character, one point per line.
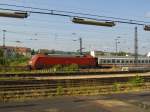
4	47
80	44
80	39
136	46
4	31
116	46
116	43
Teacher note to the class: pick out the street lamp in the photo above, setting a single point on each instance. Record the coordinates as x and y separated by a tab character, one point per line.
93	22
147	27
13	14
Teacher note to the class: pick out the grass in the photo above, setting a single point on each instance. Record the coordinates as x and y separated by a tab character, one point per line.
44	71
55	69
15	78
133	84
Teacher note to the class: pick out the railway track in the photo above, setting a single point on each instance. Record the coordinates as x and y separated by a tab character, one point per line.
45	86
23	92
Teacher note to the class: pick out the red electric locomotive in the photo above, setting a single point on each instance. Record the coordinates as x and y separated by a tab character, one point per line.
41	61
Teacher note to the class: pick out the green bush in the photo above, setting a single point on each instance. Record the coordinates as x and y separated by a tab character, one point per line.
136	81
57	68
59	90
116	86
4	61
72	67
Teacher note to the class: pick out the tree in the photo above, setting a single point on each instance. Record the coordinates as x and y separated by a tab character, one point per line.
122	53
32	52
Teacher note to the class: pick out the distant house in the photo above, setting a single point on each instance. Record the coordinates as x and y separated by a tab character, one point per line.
12	50
43	51
99	53
47	51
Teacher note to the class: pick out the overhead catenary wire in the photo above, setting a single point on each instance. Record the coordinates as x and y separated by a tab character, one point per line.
75	14
72	12
25	33
67	15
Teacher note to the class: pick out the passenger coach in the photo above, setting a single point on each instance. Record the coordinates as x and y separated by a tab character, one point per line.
122	61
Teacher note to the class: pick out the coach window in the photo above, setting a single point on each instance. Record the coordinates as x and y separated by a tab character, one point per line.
104	61
131	61
113	60
146	61
101	60
139	61
149	61
108	61
127	61
118	61
142	61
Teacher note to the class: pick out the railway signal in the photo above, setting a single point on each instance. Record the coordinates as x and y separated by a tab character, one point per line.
92	22
14	14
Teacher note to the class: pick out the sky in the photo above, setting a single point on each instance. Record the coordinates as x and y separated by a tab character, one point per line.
56	32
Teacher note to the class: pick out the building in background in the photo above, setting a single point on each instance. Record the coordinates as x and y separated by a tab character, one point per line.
44	51
12	50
